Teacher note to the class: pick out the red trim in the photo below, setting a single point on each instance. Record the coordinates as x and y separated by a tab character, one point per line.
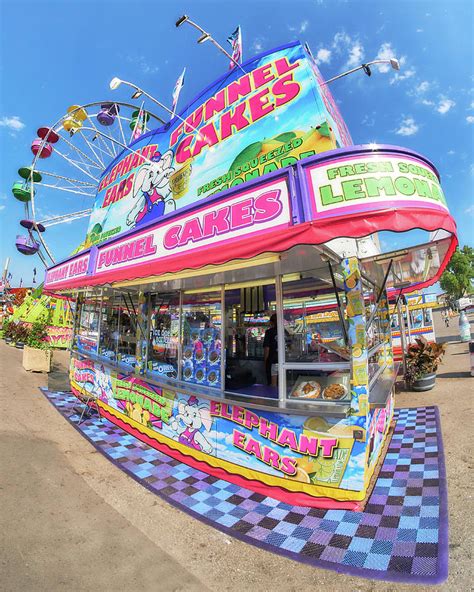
277	241
279	493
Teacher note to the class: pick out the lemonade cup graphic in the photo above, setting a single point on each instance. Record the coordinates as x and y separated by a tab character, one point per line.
328	471
179	180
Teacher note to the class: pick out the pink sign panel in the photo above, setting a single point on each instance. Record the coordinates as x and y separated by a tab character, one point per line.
63	273
252	212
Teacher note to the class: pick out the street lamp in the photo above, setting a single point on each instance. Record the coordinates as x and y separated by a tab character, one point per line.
116	82
205	36
394	63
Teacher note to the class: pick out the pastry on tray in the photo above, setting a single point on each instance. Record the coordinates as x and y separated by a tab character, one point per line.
334	392
307	389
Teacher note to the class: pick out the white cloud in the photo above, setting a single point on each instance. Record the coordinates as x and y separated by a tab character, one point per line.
419	30
422	87
323	56
409	73
427	102
301	28
470	118
2	207
13	123
451	152
356	55
445	105
408	127
145	66
469	210
471	106
386	52
342	43
257	45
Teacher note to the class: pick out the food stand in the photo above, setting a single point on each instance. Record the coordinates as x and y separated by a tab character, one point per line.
169	335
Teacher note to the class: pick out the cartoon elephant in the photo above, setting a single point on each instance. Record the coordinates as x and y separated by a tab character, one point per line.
151	188
193	418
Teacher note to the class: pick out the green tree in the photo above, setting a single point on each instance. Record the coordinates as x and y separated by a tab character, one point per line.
457	278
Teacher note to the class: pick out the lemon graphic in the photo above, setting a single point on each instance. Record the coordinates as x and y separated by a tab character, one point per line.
301	475
351	281
323	470
316	424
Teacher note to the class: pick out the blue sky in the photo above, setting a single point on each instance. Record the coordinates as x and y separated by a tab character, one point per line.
54	54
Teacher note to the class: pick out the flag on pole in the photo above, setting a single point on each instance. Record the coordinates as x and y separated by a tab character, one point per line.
236	41
139	125
177	89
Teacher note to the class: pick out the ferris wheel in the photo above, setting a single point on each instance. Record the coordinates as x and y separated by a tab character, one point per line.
69	158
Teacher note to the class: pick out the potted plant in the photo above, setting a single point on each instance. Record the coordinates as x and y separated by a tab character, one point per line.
423	358
6	331
37	354
20	335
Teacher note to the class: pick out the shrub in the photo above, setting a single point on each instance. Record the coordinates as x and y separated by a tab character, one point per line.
37	335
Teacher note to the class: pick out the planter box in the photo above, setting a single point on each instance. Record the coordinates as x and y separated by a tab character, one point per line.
426	383
37	360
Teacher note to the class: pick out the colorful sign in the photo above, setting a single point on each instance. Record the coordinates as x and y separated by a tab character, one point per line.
368	182
61	274
324	452
250	212
243	126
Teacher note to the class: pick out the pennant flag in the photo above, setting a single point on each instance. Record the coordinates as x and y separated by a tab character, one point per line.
139	125
177	89
236	41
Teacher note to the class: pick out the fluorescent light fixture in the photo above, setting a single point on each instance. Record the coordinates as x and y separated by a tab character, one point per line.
395	64
137	94
181	20
204	37
115	83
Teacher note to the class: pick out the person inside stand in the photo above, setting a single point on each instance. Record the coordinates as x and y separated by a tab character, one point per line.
270	352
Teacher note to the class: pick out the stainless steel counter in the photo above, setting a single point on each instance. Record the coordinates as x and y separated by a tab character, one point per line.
382	387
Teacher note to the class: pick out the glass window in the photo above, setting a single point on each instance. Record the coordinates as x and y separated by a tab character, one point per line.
128	329
109	327
88	327
313	330
318	385
163	335
247	320
201	339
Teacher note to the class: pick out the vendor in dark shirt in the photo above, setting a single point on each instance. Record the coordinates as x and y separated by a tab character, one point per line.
270	352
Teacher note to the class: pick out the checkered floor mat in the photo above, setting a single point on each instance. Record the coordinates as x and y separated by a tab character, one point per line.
401	535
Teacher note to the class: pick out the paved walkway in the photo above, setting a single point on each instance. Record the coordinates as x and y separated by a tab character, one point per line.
73	521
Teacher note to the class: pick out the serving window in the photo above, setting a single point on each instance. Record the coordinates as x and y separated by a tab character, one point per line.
313	322
163	335
109	327
130	328
88	326
201	338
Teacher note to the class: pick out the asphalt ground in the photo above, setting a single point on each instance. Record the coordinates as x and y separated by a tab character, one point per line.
71	520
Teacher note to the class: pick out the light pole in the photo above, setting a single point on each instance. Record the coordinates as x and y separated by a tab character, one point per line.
366	67
116	82
205	36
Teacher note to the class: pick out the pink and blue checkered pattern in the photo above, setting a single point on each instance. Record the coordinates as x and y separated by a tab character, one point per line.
400	536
